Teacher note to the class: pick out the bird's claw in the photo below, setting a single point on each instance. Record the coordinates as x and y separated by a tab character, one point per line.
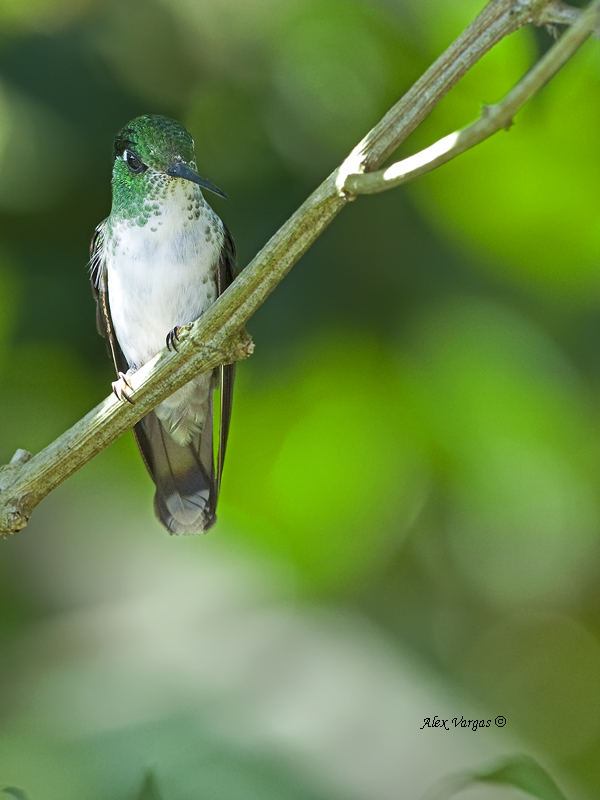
121	386
173	338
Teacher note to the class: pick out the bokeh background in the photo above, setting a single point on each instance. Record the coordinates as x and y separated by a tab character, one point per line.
410	516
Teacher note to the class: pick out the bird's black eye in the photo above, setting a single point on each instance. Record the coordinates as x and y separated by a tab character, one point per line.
134	163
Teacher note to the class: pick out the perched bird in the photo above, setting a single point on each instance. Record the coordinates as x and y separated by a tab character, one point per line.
158	261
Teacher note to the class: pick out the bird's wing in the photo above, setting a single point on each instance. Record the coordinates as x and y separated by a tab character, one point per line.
100	291
226	272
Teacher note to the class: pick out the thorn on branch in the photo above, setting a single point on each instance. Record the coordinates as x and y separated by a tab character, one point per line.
244	347
234	350
16	521
488	111
8	472
13	515
20	457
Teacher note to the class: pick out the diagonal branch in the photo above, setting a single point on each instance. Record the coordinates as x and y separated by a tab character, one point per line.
218	336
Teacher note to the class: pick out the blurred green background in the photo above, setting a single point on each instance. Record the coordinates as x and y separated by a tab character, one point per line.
410	516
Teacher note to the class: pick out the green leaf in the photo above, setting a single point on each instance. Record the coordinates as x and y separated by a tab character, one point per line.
16	793
519	772
524	773
149	789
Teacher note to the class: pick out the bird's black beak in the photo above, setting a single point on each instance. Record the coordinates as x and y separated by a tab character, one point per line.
183	170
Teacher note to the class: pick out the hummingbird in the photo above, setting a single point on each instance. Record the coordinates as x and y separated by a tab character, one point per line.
158	261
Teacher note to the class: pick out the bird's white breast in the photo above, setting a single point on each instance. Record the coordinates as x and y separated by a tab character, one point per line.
163	273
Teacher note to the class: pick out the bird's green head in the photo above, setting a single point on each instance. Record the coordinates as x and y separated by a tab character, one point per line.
150	153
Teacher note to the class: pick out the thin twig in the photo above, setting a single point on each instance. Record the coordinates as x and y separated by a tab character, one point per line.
498	19
494	118
24	483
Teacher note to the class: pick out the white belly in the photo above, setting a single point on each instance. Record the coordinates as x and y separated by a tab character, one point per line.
160	275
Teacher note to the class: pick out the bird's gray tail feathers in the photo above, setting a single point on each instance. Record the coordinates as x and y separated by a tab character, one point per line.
184	475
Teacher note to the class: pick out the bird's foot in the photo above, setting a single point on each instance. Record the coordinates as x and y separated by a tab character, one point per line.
173	338
121	386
